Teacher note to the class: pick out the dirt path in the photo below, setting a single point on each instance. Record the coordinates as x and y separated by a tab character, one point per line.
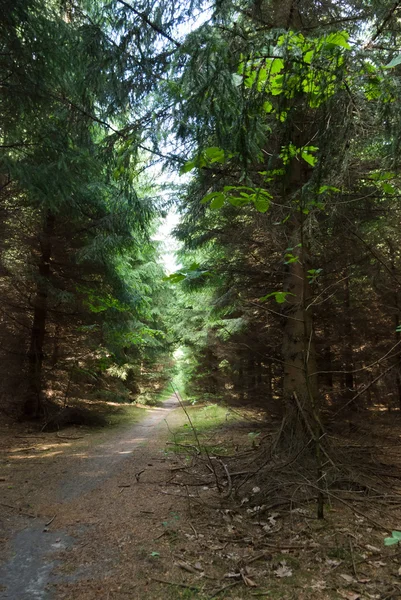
83	487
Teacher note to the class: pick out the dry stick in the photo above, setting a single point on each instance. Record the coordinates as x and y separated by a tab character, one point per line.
50	522
67	437
213	470
187	415
183	585
365	388
366	367
224	588
309	428
184	446
279	467
193	529
227	494
196	434
353	558
20	511
189	502
353	509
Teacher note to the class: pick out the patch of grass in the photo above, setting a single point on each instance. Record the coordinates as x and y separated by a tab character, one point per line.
206	421
127	415
120	396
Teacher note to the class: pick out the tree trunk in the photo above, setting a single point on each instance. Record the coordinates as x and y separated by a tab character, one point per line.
34	404
349	383
397	321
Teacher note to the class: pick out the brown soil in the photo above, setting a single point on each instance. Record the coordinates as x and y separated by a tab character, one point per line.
155	527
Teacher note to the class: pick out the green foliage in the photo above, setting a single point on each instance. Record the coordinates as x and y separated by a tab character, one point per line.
394	539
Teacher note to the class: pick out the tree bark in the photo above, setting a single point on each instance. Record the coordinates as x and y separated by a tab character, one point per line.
34	404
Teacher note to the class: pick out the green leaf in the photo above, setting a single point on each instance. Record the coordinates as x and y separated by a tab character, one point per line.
209	197
309	158
389	189
280	297
174	277
327	188
268	107
276	66
340	38
394	62
214	154
217	201
308	56
261	204
189	166
390	541
396	534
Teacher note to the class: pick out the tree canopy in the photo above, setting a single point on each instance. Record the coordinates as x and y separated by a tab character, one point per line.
273	127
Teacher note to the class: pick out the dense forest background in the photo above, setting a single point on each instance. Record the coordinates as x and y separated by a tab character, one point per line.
283	120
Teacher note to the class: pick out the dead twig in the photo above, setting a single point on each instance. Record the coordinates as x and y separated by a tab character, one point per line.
67	437
227	494
224	588
137	475
353	558
193	529
50	522
197	450
19	510
183	585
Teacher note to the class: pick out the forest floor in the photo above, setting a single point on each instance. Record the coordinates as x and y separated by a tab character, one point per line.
148	511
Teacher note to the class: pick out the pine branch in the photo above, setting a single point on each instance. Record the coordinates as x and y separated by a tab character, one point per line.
150	23
380	27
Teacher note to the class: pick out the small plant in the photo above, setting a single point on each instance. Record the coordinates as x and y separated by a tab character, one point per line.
253	435
394	539
155	554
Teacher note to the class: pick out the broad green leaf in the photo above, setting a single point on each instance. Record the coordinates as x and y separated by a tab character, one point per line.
309	158
276	66
394	62
390	541
209	197
340	38
280	297
189	166
261	204
268	107
389	189
308	56
217	202
214	154
277	85
396	534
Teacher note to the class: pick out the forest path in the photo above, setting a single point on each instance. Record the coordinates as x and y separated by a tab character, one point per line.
82	487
